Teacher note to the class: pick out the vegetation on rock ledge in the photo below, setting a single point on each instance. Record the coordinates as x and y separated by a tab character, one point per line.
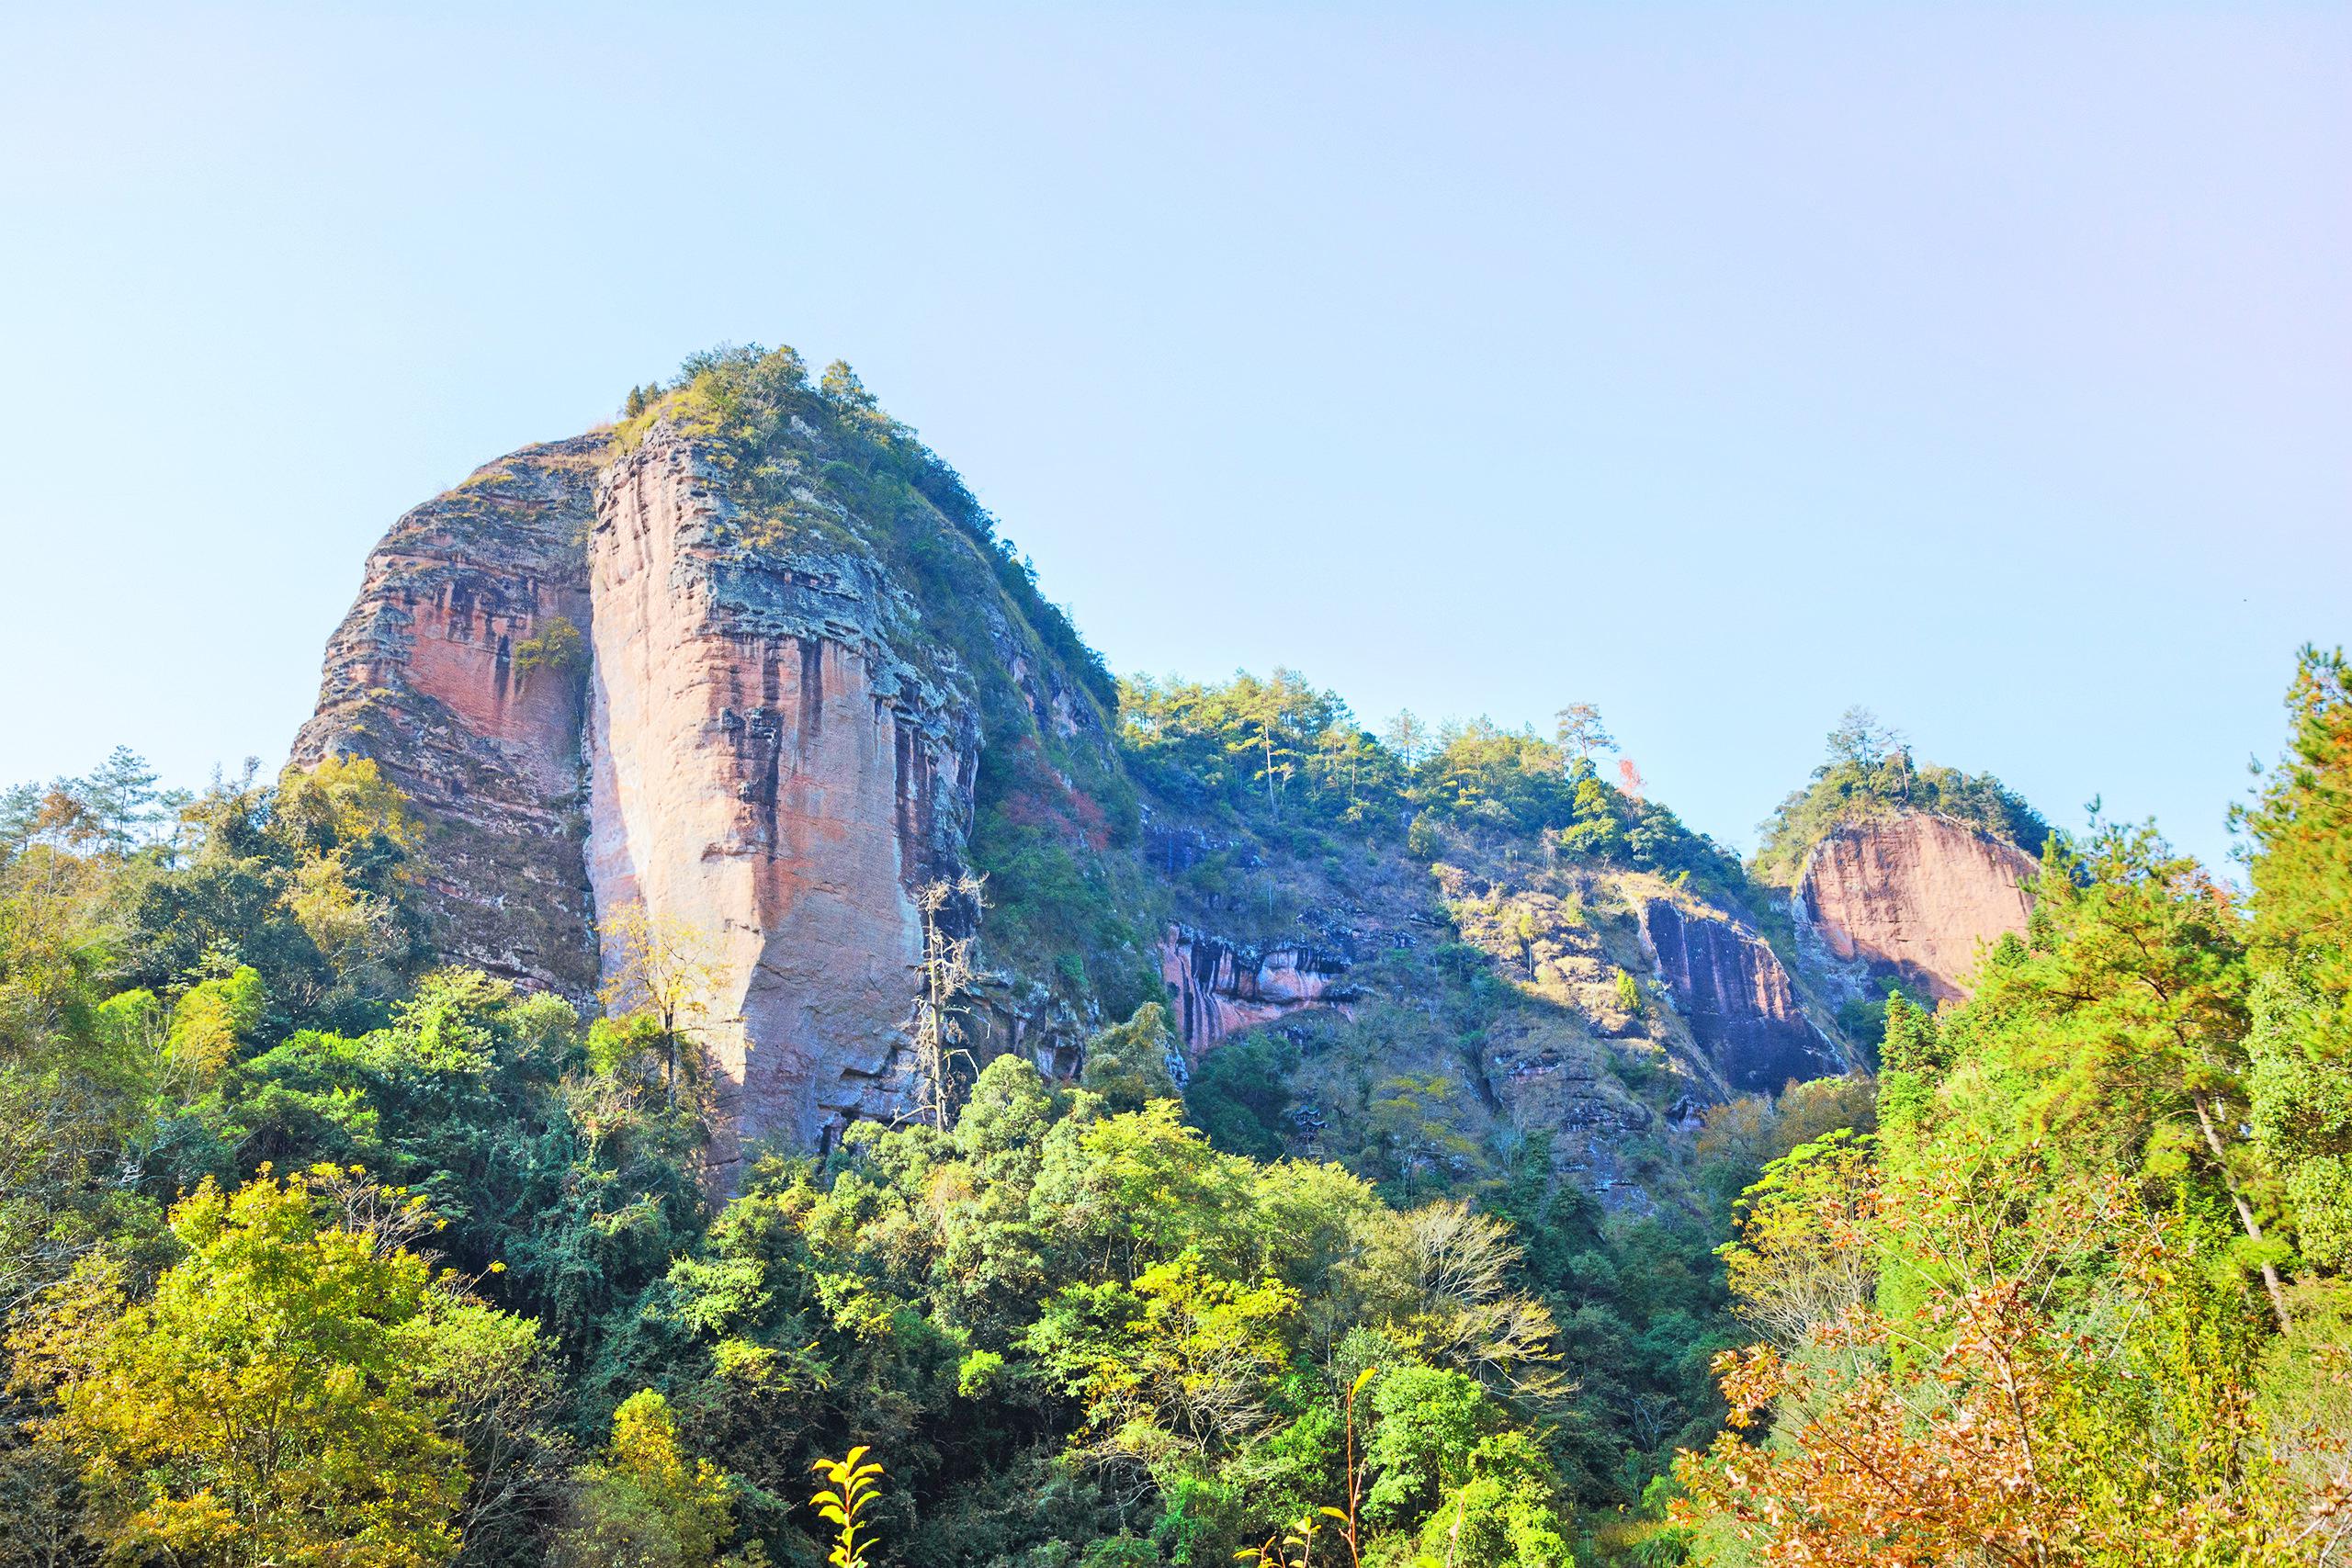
1869	773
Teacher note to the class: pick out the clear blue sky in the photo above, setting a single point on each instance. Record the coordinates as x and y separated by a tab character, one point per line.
1721	364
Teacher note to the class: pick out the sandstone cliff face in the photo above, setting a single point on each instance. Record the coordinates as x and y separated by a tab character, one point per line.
1730	987
1911	897
767	769
738	744
1221	987
424	676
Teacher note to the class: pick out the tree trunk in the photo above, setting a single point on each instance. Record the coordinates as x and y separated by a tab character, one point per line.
2245	1210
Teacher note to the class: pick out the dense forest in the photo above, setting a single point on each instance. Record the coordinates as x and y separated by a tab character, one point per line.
319	1248
316	1252
1099	1322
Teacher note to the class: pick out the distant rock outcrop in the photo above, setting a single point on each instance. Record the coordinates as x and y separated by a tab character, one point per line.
1730	989
1912	897
1221	987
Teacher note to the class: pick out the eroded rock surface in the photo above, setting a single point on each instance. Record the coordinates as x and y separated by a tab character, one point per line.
429	676
1221	987
767	770
596	694
1912	897
1730	987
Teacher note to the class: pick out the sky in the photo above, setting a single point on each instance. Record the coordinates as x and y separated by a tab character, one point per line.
1721	365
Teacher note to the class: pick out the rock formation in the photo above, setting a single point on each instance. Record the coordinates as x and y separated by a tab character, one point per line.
604	688
767	769
1730	987
449	673
1220	987
754	670
1911	897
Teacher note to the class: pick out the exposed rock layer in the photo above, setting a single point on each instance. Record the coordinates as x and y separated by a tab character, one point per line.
768	772
763	739
737	746
1730	987
424	677
1221	987
1913	898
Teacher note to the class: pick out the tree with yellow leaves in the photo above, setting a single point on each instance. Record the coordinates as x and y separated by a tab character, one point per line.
266	1406
643	1501
663	966
852	1486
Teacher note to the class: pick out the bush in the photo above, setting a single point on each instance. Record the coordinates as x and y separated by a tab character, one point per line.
1239	1095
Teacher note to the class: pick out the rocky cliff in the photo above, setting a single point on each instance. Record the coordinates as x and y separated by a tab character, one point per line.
457	672
753	670
768	770
1441	1012
1731	989
1912	897
723	675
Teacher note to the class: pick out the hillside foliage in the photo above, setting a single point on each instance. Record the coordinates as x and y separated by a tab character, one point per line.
2081	1300
1080	1327
318	1253
1293	765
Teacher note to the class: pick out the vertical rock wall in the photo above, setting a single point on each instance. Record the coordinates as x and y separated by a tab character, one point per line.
424	676
1912	897
767	771
1730	987
738	747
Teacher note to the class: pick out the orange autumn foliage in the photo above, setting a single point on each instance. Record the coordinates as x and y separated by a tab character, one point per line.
1972	1414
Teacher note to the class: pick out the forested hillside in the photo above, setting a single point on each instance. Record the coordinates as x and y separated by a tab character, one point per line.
2079	1299
1283	1140
460	1241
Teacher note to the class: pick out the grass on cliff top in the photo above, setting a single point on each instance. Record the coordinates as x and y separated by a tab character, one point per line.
819	465
782	437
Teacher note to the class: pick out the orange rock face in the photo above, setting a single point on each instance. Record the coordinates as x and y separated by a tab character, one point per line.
1913	898
737	746
766	771
424	677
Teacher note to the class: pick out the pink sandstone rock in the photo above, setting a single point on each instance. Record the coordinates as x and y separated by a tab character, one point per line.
739	748
1221	988
1914	896
764	770
424	677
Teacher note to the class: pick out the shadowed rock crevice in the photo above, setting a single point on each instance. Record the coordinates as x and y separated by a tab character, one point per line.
1730	988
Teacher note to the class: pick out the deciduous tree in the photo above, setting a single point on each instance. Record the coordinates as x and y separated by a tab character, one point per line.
265	1407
